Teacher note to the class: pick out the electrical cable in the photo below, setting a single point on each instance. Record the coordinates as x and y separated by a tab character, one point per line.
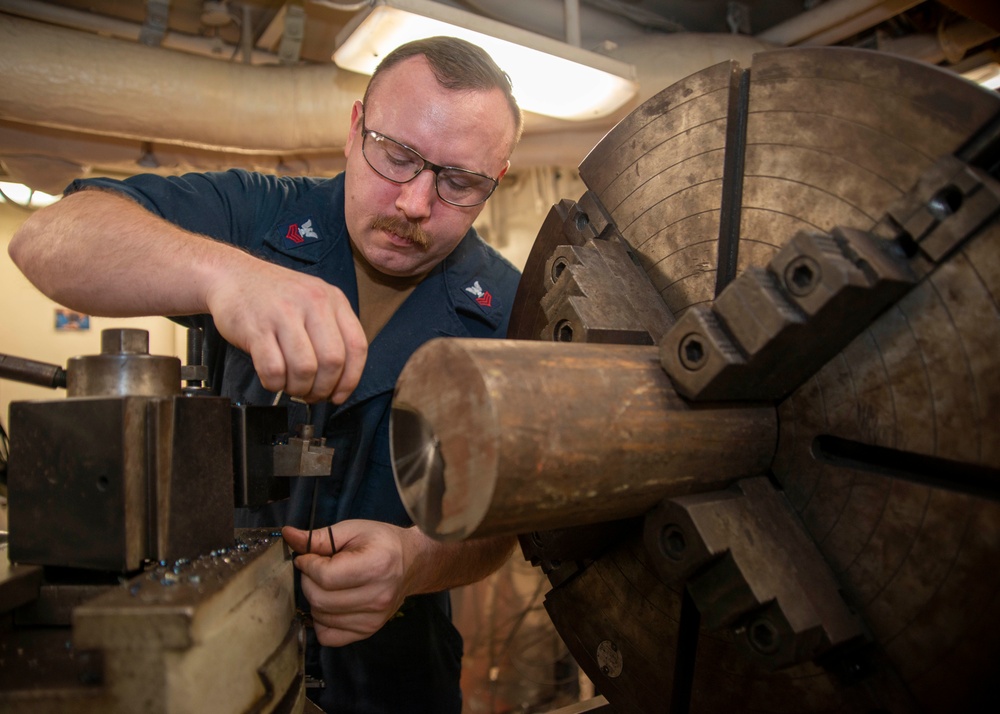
4	454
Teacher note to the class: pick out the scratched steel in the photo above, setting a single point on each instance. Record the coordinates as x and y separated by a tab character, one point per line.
832	136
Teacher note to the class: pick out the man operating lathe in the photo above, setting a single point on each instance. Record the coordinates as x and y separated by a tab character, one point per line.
322	289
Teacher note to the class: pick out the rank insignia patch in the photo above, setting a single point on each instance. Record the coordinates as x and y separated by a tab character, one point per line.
482	297
300	234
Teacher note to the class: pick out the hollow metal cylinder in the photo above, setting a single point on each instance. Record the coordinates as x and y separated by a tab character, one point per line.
494	437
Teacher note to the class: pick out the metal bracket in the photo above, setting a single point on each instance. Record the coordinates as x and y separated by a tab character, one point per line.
951	202
772	328
291	39
154	28
749	565
303	455
598	294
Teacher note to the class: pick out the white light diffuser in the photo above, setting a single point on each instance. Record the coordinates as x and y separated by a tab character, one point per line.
549	77
988	75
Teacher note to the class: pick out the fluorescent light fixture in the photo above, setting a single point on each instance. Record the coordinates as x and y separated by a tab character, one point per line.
23	196
549	77
987	75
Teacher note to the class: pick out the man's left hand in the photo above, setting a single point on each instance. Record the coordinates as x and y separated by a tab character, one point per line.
357	586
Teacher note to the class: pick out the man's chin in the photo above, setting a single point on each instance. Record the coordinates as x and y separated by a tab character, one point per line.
396	265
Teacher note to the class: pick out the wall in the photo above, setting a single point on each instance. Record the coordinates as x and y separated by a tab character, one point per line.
27	325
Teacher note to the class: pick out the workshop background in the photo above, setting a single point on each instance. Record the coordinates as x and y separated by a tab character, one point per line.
106	87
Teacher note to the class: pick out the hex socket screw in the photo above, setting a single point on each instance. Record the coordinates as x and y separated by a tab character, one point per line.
672	541
563	331
558	266
692	353
802	275
763	636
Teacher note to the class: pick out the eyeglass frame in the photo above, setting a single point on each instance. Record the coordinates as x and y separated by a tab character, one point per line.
435	168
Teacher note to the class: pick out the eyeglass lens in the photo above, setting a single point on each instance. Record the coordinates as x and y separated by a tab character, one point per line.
399	163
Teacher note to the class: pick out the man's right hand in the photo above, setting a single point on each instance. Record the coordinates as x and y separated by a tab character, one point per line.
300	331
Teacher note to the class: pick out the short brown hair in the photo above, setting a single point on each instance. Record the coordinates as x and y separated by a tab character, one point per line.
457	64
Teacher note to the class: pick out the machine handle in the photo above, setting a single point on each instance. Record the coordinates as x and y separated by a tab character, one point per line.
32	372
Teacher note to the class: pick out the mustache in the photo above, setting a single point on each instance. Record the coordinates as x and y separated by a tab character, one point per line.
405	229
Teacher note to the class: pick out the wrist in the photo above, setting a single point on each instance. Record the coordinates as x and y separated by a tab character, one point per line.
417	560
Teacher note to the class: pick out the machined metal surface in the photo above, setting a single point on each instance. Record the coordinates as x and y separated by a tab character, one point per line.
124	470
32	372
772	328
123	368
833	138
597	295
215	633
887	458
303	454
130	591
108	482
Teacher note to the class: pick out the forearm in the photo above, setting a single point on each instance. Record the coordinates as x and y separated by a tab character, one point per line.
436	565
104	254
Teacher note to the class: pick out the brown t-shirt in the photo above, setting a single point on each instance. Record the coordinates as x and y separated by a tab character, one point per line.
379	295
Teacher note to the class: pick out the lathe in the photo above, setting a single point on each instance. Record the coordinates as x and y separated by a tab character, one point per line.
127	588
748	422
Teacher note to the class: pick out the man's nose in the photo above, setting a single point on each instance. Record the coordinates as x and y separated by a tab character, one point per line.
417	196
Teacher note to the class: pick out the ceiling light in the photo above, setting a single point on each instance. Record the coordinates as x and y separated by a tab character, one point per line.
549	77
24	196
988	75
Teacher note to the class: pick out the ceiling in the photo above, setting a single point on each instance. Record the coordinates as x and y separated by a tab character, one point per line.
169	85
263	20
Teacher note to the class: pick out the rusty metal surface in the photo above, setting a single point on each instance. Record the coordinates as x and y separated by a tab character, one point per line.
519	436
889	454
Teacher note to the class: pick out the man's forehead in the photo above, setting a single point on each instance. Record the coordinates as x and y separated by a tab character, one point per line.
409	69
394	84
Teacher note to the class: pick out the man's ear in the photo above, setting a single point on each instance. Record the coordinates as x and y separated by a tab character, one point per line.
357	114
